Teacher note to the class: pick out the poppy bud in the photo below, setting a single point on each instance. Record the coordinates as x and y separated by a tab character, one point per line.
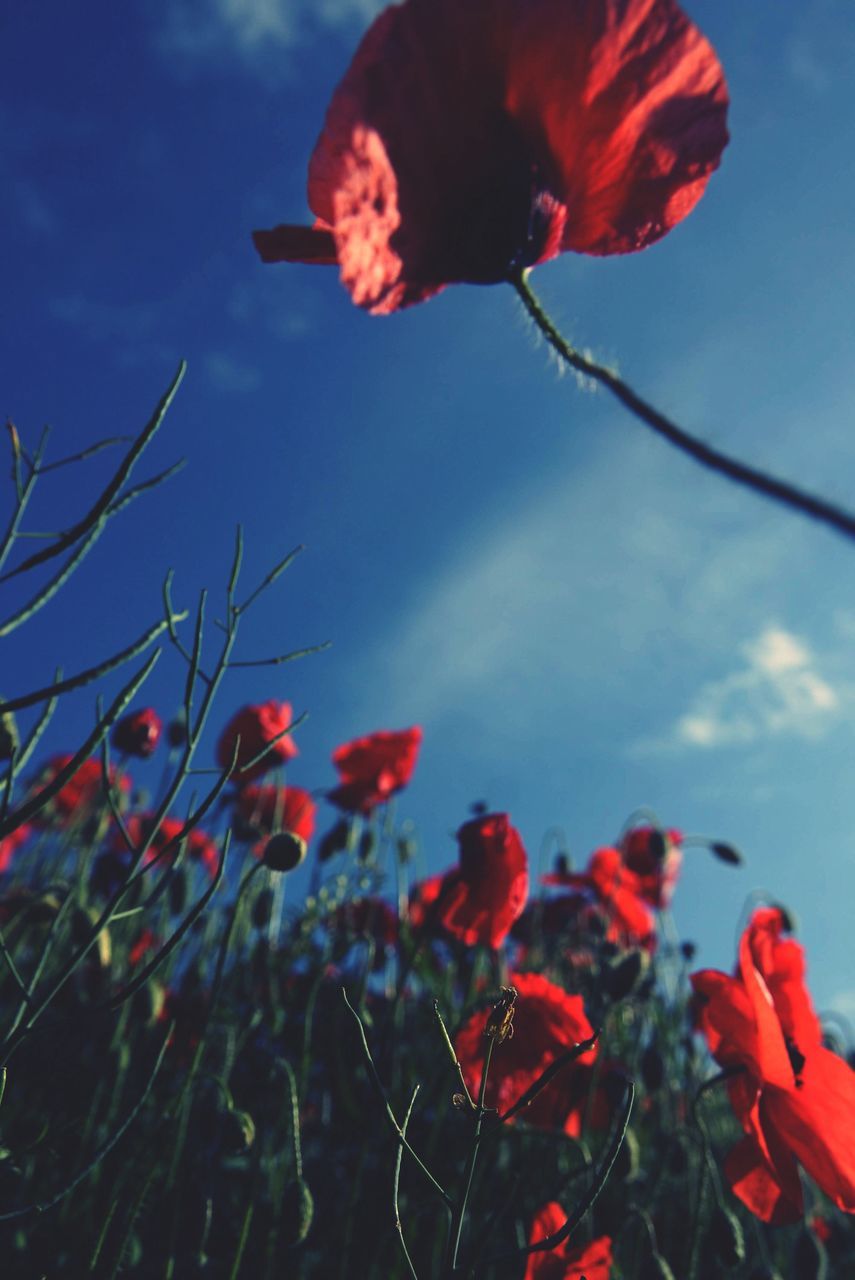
284	851
561	864
262	908
296	1213
727	1237
334	841
147	1003
688	951
656	845
727	853
81	928
810	1261
652	1068
620	978
138	734
9	738
406	850
238	1132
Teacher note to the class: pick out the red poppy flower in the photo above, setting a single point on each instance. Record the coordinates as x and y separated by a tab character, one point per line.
256	726
11	844
268	809
618	892
467	140
374	767
569	1261
547	1022
656	859
200	847
366	918
81	794
139	733
795	1099
480	899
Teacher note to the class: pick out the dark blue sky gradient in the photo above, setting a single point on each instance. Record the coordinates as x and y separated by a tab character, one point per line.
582	621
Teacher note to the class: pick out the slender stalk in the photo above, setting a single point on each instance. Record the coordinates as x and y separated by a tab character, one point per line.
395	1182
761	482
469	1173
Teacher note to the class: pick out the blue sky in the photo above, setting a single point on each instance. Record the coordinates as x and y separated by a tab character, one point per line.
582	621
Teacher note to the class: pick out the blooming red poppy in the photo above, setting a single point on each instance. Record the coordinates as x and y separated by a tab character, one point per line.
200	846
480	899
371	918
618	892
81	793
569	1261
268	808
374	767
11	844
547	1022
468	140
256	726
138	733
656	859
795	1099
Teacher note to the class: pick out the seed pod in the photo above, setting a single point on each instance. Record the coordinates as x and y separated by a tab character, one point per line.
628	1160
9	737
728	1239
367	845
298	1207
147	1003
284	851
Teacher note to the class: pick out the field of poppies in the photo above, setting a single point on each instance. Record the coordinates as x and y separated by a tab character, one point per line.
239	1041
234	1045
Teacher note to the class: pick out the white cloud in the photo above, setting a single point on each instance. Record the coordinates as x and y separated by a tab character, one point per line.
228	374
248	30
776	690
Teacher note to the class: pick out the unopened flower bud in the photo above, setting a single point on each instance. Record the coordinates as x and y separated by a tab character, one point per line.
367	845
652	1068
298	1208
727	853
728	1239
238	1132
9	737
284	851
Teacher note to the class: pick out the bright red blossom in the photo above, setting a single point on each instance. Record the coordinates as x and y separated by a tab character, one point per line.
617	890
547	1022
656	859
82	793
269	808
795	1099
374	767
10	845
139	733
480	899
467	140
256	726
164	847
569	1261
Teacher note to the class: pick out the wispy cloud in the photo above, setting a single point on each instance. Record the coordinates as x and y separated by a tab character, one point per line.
227	374
247	31
775	690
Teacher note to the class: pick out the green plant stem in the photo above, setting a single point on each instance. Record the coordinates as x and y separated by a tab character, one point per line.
396	1178
761	482
459	1213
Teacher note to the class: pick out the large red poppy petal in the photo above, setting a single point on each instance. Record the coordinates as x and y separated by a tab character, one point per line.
772	1058
726	1018
296	244
772	1193
624	104
818	1123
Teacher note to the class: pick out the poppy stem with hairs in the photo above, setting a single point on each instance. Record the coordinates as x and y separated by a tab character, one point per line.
739	472
460	1208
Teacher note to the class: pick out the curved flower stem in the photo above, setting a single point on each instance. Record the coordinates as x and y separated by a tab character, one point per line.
460	1207
396	1181
739	472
